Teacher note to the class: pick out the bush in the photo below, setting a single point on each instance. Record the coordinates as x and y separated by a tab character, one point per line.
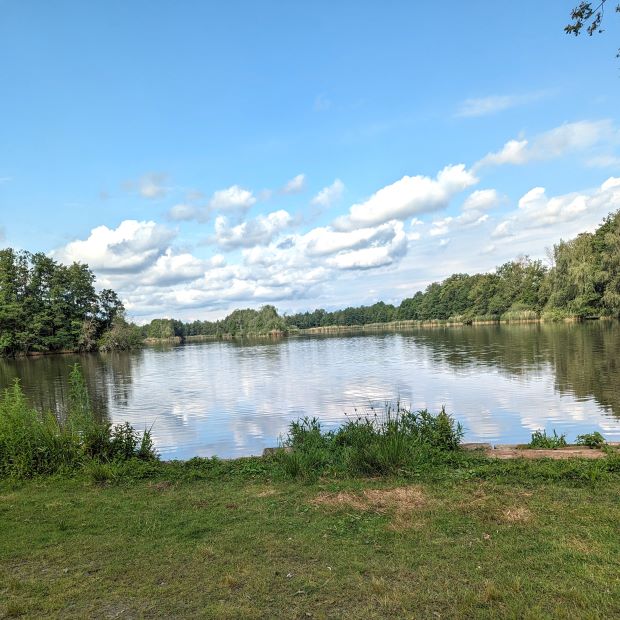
34	443
541	440
374	444
592	440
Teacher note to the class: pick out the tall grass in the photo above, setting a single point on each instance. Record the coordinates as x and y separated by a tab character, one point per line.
378	443
34	443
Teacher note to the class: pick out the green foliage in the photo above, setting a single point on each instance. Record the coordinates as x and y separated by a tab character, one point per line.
33	443
121	336
375	444
541	440
46	306
592	440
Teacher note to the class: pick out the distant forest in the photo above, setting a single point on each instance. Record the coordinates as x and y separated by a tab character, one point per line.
46	306
582	280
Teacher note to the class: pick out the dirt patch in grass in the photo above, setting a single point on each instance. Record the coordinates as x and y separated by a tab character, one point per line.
581	545
402	502
268	492
378	500
516	514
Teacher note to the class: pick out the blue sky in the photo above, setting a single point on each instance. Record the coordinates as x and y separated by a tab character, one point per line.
207	156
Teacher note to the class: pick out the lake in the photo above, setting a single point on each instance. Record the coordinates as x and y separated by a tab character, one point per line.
234	398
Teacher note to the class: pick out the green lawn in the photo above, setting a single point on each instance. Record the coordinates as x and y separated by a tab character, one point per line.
244	545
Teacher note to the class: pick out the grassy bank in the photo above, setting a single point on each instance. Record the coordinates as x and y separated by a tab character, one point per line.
384	517
242	540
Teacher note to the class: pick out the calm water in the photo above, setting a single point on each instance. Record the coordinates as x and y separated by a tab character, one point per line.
232	398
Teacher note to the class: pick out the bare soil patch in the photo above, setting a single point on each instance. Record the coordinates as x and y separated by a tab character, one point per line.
571	452
516	514
402	502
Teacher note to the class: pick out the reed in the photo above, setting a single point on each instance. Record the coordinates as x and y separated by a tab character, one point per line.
33	442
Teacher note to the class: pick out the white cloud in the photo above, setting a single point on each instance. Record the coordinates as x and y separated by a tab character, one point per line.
557	142
407	197
482	200
484	106
295	185
537	210
258	231
232	198
131	247
325	241
329	195
374	256
172	268
502	230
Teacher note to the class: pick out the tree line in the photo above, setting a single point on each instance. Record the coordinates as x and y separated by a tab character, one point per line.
46	307
581	279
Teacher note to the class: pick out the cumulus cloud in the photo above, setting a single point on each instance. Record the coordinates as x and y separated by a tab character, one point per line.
295	185
258	231
376	255
231	199
408	196
171	268
537	210
482	200
557	142
130	247
485	106
329	195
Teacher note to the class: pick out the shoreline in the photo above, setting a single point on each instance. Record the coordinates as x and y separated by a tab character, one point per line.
390	326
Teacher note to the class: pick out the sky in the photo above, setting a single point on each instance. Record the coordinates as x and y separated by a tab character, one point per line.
207	156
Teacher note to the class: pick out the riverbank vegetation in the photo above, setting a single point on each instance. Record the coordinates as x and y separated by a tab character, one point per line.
34	442
49	307
389	506
455	535
582	280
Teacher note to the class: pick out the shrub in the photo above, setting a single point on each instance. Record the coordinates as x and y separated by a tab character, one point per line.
34	443
541	440
592	440
372	444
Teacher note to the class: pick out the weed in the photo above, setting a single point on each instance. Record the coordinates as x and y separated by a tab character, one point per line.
395	440
592	440
540	440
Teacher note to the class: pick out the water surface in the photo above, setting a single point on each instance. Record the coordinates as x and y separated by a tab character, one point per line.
235	398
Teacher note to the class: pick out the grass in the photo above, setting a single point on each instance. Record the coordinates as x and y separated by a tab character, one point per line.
239	539
33	442
383	518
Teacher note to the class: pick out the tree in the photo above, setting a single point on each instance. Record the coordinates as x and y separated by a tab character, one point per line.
590	15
